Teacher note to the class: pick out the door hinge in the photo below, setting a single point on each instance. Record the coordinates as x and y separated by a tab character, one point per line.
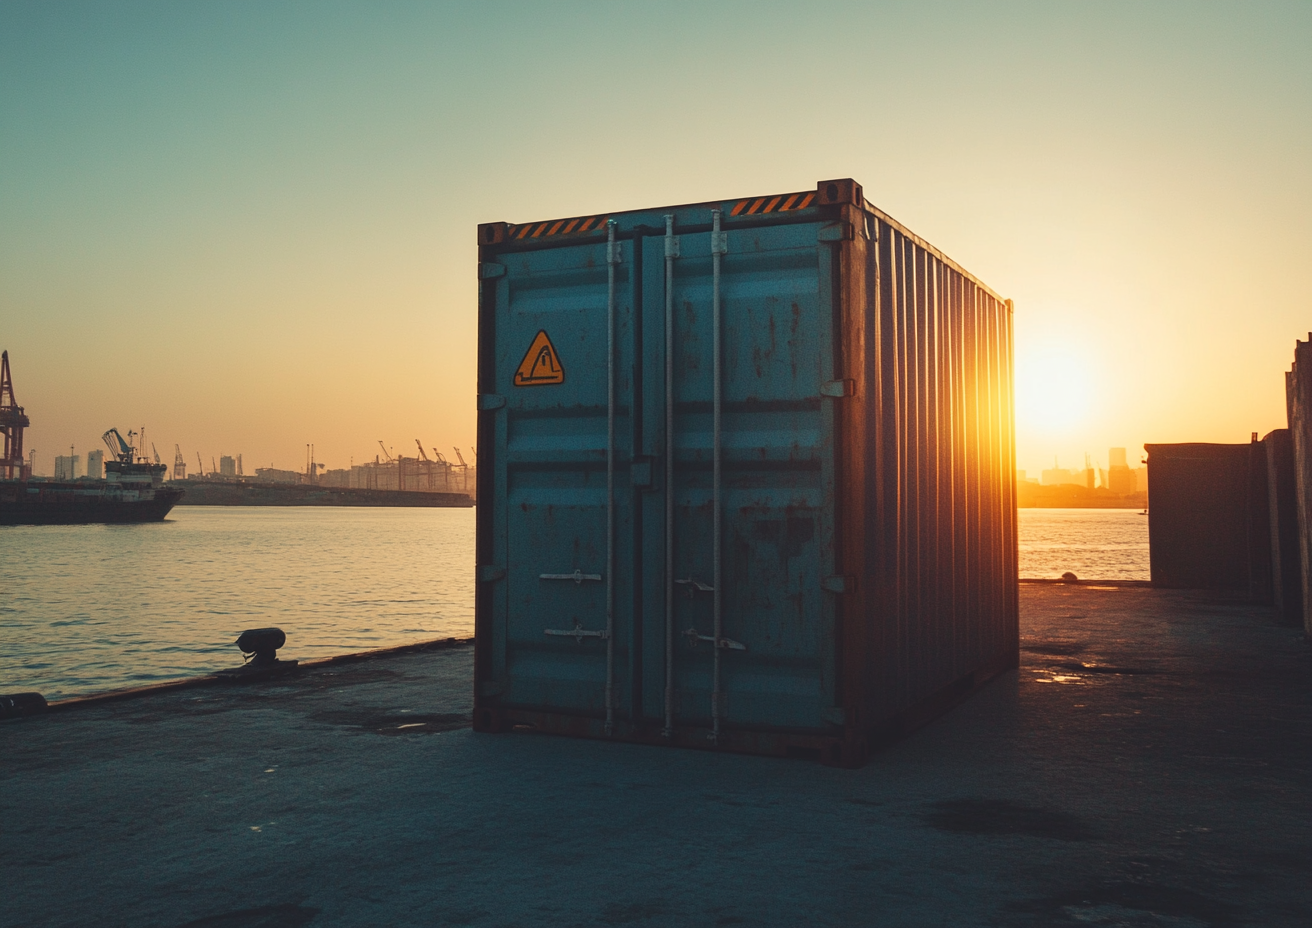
614	254
836	232
719	243
838	388
489	269
490	573
671	246
840	583
489	401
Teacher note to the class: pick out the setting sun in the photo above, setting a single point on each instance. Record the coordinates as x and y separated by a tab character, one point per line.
1054	389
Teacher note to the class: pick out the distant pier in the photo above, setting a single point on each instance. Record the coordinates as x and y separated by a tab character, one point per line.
232	493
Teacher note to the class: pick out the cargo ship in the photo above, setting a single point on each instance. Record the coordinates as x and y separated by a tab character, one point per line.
133	491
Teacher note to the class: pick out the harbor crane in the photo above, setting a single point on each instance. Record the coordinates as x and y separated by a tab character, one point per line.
12	422
387	456
422	455
179	465
155	451
200	466
119	447
464	470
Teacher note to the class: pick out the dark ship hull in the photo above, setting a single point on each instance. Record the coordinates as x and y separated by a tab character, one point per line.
25	502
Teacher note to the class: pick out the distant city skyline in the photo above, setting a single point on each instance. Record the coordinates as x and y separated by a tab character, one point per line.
251	226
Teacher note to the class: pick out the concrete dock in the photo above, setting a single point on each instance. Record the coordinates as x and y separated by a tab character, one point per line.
1149	765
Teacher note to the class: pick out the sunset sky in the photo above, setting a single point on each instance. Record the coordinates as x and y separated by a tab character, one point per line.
250	226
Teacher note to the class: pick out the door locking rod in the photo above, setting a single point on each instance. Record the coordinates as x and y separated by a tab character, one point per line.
578	576
578	632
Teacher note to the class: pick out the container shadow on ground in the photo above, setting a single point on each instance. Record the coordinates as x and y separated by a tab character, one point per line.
1148	765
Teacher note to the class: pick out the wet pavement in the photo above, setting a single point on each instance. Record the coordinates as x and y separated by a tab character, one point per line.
1149	765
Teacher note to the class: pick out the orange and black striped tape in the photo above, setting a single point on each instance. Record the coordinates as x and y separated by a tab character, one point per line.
778	204
556	227
782	203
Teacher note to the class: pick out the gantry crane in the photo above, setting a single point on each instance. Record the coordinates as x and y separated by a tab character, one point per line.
12	423
464	470
179	465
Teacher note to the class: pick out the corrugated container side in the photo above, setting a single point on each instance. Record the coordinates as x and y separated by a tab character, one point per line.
1208	517
1282	496
868	500
945	567
1298	403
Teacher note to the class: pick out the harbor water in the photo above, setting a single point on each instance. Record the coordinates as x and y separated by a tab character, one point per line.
1093	544
90	608
86	608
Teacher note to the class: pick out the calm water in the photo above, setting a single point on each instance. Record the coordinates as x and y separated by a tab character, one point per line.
95	607
1094	544
89	608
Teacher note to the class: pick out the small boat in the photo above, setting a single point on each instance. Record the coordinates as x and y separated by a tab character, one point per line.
132	491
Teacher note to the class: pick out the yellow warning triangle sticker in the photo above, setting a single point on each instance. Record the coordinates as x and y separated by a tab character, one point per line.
541	365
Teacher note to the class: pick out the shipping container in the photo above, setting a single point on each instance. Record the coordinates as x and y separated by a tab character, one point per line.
745	477
1282	497
1298	405
1209	523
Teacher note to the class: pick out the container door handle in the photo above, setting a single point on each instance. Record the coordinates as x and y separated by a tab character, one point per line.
578	576
578	632
719	643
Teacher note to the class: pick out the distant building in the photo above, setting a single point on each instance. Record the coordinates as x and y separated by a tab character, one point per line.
95	464
1120	479
1022	478
227	466
411	474
68	466
274	475
1060	477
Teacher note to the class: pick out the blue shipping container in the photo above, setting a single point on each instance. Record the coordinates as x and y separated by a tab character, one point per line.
745	477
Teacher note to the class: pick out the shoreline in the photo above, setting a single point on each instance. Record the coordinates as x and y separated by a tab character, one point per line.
230	677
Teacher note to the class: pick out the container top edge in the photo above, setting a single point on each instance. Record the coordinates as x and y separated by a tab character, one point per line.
935	251
790	206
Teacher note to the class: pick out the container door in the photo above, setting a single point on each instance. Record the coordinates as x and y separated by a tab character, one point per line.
776	646
557	310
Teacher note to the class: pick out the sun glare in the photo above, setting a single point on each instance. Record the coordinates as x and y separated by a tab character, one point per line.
1054	389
